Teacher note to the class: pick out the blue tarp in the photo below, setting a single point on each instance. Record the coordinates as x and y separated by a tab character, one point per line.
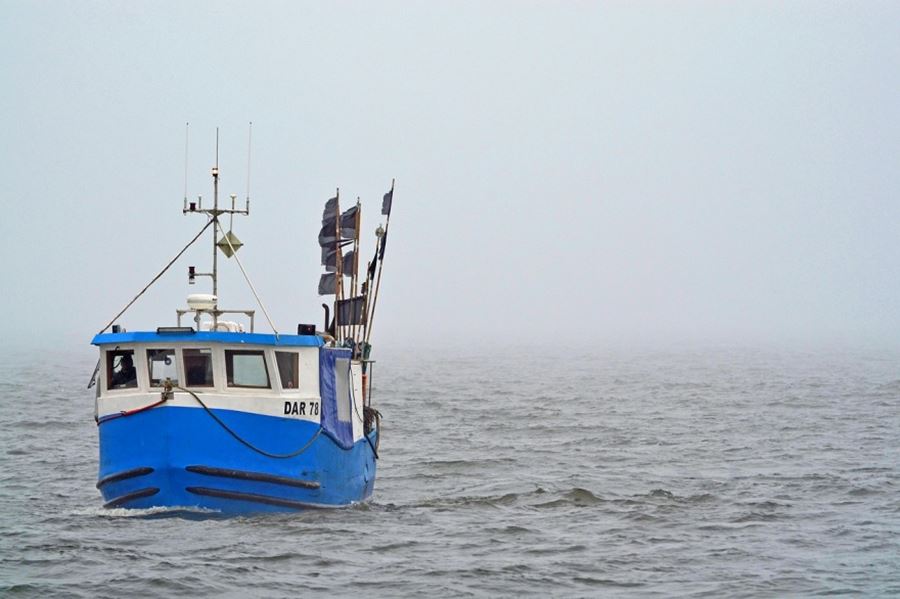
334	362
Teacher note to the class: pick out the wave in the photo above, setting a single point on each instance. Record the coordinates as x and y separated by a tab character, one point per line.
188	513
538	498
576	497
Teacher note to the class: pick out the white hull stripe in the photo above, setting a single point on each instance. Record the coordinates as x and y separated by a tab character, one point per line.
295	407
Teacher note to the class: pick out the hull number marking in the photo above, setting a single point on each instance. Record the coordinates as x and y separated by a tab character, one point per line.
301	408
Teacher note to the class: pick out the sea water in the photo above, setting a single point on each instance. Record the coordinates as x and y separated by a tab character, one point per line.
562	473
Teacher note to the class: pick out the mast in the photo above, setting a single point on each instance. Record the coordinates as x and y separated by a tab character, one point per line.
381	242
355	280
338	265
215	218
228	244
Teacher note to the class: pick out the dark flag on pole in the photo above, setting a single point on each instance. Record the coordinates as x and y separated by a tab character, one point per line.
373	264
327	237
352	310
347	267
383	244
329	261
331	207
386	203
328	284
328	256
348	223
328	232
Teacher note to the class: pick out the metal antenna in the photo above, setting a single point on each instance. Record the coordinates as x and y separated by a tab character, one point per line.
228	244
186	126
215	217
249	142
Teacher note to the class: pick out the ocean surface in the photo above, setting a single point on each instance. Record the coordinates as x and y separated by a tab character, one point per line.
712	473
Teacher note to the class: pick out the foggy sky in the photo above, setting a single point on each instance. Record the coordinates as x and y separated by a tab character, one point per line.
568	173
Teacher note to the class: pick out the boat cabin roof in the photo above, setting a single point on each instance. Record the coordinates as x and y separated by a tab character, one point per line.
188	336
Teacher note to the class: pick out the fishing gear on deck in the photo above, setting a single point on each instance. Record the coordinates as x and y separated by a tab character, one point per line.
353	316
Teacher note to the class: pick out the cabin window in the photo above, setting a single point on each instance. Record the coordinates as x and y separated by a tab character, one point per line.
161	366
120	370
198	371
288	369
246	368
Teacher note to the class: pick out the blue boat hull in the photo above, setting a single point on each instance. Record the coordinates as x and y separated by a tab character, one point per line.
181	457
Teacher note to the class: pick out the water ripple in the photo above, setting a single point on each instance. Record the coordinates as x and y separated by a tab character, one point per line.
655	474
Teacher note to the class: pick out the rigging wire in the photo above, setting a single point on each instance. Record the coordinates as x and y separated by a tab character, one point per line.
171	262
247	278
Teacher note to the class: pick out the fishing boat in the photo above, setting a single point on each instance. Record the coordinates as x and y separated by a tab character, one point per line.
209	413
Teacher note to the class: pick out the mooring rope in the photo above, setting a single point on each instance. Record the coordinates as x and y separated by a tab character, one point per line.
279	456
362	418
124	413
376	415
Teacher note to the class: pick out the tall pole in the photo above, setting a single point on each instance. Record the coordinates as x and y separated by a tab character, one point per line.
355	280
369	293
365	325
338	266
215	216
387	224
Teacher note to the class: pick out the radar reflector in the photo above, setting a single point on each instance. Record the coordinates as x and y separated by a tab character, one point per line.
229	244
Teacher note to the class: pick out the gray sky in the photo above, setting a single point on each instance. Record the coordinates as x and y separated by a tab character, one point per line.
600	173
